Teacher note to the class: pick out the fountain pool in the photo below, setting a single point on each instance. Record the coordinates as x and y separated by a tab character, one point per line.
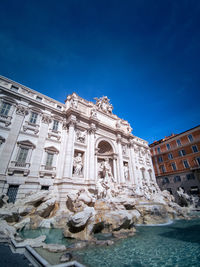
176	244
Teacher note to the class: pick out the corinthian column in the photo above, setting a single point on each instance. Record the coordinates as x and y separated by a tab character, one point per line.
69	154
120	158
92	153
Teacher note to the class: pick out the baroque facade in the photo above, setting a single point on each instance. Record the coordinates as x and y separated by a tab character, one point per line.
176	161
48	145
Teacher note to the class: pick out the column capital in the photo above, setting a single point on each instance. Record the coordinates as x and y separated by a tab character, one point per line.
46	119
21	110
92	128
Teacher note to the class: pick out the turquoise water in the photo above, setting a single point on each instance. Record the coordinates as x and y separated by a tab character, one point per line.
177	244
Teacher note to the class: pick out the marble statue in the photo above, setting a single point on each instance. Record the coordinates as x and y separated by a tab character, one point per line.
78	164
126	171
103	104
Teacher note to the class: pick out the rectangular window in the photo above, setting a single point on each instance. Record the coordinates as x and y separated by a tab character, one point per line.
44	187
15	88
38	98
170	156
182	153
173	166
33	117
5	109
186	164
198	161
158	149
168	146
23	152
55	125
190	176
162	167
165	180
160	159
177	179
49	160
12	193
195	149
178	141
190	138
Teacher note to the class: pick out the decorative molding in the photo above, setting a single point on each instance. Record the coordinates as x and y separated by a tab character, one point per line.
46	119
21	110
51	149
26	143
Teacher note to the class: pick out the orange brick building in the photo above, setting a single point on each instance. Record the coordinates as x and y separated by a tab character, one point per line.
176	161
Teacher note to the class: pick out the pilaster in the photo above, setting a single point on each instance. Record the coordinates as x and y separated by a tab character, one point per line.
69	152
120	158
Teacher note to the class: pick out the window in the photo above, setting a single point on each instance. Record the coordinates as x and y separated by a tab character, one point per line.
190	176
160	159
162	167
165	181
49	159
173	166
177	179
12	193
15	88
158	149
185	163
178	141
59	107
195	149
23	152
182	153
44	187
38	98
5	109
168	146
198	161
33	117
190	138
170	156
55	125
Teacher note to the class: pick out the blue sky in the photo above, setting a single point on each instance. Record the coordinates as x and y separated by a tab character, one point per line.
143	54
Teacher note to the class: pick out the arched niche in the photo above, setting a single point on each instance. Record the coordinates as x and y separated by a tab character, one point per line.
105	154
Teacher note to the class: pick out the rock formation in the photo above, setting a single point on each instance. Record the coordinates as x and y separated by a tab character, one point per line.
115	211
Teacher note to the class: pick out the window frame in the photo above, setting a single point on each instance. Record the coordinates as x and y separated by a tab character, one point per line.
177	142
171	157
192	139
3	108
186	167
33	118
174	167
168	146
195	148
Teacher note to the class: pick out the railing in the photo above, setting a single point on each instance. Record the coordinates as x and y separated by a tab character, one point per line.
20	164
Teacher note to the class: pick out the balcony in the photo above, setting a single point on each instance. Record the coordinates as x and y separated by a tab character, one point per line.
47	171
54	134
19	167
5	119
31	126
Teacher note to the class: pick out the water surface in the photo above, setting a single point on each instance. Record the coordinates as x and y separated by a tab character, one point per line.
177	244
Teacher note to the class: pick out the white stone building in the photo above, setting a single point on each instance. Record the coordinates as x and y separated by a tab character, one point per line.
48	145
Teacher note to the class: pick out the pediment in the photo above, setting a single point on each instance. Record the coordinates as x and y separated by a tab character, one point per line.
26	143
52	149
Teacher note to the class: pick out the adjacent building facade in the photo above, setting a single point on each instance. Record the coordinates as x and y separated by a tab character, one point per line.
176	161
48	145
